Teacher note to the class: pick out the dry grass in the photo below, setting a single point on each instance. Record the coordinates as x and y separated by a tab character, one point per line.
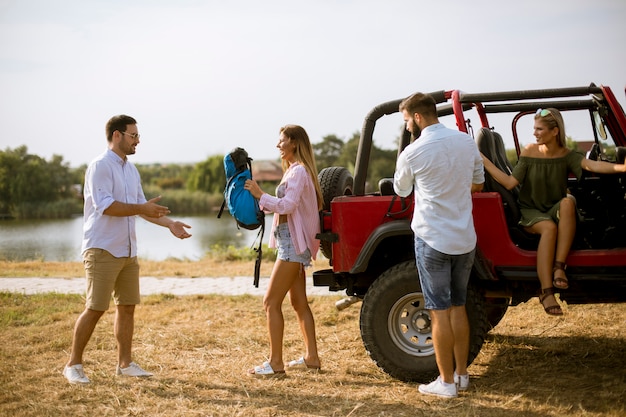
206	267
200	347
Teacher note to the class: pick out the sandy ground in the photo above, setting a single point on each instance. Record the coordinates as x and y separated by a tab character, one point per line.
152	285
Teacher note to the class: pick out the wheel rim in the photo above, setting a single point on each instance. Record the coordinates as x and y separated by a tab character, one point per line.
409	326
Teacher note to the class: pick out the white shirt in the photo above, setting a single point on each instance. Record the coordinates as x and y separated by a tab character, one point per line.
109	178
441	166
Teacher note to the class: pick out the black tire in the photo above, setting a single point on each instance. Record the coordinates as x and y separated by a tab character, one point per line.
396	330
334	182
495	309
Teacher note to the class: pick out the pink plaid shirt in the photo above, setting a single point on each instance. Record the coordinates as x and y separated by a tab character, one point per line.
300	205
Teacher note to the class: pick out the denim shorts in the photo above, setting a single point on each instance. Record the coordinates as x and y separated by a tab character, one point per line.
443	277
286	249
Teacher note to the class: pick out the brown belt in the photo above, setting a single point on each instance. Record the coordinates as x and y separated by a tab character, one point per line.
282	219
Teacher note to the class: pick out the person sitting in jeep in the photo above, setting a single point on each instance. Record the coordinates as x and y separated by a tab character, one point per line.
546	207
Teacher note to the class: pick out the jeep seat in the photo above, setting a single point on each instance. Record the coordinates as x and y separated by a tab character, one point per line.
491	145
385	186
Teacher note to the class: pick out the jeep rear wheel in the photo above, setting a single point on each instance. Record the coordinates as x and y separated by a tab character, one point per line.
334	182
396	328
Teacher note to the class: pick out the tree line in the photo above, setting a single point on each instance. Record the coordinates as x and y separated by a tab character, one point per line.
32	187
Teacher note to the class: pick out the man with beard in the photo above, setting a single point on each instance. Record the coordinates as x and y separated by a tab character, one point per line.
113	197
442	167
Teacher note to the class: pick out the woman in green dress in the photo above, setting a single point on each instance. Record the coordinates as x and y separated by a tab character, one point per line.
546	207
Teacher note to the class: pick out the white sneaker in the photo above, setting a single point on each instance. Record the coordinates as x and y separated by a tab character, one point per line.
439	388
461	381
75	374
132	370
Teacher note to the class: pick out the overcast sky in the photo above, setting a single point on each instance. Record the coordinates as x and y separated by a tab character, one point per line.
204	76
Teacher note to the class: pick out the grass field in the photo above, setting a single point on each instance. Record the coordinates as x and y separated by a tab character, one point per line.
199	348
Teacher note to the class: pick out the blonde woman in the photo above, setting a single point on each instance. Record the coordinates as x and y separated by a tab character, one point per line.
296	222
547	209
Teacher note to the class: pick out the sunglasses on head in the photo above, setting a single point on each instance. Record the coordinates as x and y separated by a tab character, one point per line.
543	112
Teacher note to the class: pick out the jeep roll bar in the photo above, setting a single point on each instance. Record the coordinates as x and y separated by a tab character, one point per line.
367	132
486	103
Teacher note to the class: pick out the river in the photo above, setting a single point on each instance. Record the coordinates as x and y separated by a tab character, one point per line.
60	240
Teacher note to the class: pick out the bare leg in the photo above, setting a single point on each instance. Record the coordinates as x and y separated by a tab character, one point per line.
545	251
443	342
124	328
566	232
300	304
547	230
283	276
460	330
83	329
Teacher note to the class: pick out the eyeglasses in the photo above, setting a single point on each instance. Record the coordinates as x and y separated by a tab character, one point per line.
132	135
543	112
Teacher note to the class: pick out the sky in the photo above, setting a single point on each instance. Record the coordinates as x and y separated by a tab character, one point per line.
202	77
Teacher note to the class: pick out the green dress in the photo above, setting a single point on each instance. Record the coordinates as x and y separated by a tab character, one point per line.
543	183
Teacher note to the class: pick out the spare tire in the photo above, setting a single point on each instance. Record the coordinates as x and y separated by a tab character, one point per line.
334	182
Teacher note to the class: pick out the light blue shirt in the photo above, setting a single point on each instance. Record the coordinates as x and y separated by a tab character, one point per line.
441	166
109	178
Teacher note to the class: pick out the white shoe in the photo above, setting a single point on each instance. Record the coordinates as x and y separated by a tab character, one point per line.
439	388
461	381
75	374
132	370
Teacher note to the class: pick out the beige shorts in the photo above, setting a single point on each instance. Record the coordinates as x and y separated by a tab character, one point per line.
108	275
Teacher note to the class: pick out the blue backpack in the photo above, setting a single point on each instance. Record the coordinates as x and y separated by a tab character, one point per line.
241	203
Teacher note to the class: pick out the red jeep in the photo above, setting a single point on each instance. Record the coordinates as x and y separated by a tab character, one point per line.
366	231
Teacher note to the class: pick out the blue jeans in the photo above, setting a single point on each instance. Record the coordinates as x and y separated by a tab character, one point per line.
443	277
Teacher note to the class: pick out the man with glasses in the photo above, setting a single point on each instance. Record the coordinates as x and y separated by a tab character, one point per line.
113	197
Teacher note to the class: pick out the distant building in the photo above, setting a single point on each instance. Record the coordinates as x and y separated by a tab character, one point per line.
266	171
585	146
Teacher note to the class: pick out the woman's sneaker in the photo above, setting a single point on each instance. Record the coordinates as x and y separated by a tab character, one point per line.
461	381
132	370
75	374
439	388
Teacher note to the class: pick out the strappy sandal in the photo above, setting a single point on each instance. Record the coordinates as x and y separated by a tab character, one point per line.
554	309
560	282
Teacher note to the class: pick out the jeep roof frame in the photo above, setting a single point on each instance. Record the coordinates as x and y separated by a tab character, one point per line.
523	102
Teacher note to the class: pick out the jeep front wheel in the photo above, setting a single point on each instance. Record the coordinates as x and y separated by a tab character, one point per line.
396	328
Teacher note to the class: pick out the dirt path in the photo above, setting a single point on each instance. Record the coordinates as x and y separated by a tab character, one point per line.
152	285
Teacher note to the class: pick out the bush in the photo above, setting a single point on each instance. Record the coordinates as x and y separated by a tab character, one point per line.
232	253
60	209
186	203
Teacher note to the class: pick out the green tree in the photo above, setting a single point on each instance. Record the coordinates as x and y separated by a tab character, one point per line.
208	176
27	182
328	151
347	158
382	163
166	176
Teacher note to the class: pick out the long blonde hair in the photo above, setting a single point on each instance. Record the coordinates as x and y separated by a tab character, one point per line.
303	154
552	118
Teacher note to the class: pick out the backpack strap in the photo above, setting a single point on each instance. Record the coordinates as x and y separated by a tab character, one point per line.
259	256
219	215
259	249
